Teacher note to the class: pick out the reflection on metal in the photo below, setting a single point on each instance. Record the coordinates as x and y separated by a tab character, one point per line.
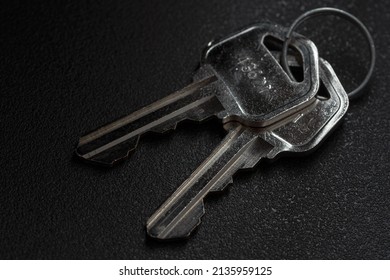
264	111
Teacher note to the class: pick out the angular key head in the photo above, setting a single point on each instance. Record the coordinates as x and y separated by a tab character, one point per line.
254	88
309	128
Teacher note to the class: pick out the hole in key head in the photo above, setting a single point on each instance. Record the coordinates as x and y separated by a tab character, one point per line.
323	93
297	71
274	45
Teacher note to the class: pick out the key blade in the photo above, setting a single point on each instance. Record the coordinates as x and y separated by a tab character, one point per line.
114	142
181	213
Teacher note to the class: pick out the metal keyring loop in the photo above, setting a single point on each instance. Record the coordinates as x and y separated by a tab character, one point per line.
351	18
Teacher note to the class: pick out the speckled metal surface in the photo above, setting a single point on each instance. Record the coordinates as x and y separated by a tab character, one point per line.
259	90
68	68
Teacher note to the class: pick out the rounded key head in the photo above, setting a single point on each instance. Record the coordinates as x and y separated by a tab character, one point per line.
254	88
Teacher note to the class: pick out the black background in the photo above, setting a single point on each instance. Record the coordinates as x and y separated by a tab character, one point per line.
67	68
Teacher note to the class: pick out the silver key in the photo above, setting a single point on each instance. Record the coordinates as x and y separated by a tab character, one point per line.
244	147
239	80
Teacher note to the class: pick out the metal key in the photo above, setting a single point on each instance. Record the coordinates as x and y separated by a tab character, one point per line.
244	147
239	80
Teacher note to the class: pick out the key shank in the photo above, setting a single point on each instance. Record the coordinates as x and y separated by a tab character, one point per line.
181	213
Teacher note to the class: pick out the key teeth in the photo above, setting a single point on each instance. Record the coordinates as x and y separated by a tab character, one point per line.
165	128
183	229
200	119
173	126
110	160
111	156
222	187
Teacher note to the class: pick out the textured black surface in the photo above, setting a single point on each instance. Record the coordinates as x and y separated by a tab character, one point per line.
67	68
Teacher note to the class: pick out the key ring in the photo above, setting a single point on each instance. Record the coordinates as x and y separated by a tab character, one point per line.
351	18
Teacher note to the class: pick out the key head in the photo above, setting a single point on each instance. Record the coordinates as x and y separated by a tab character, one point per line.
306	130
254	88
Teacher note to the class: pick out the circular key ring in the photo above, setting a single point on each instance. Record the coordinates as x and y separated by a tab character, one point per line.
347	16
